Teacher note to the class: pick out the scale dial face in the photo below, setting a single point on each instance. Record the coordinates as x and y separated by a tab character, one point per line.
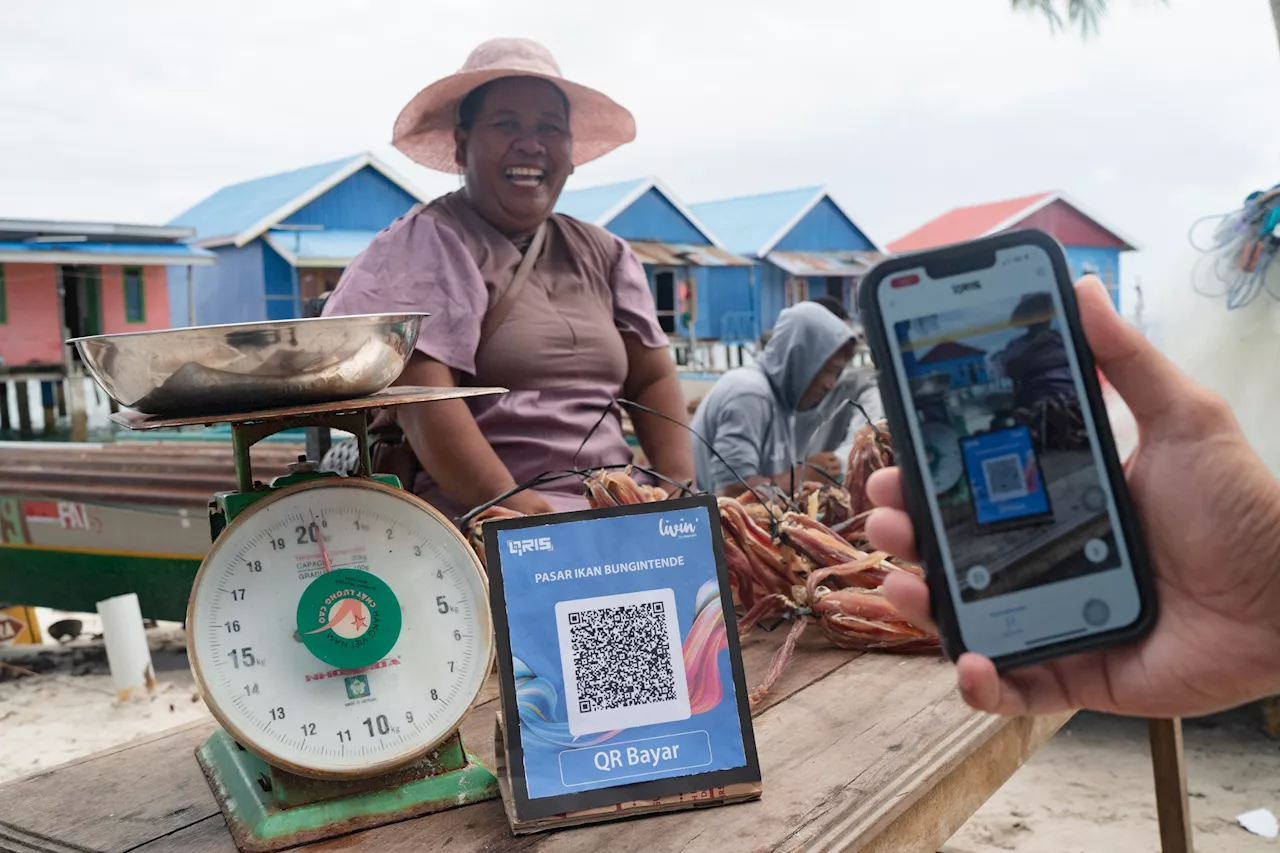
340	628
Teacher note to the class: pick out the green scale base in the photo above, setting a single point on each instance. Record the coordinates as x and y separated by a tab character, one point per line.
268	809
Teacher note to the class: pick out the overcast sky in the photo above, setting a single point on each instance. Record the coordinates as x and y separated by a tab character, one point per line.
903	108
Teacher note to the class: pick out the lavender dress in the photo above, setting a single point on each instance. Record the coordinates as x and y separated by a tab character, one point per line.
559	351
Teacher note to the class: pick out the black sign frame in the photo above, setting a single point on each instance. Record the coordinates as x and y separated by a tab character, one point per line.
527	808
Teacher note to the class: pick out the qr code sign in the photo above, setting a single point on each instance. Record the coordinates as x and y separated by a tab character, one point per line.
621	656
622	660
1006	478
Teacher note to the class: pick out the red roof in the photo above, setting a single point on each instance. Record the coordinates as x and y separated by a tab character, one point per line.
1049	211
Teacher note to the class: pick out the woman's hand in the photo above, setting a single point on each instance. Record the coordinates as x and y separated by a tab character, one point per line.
1211	515
529	502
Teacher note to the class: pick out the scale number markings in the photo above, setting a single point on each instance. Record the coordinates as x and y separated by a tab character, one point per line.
381	713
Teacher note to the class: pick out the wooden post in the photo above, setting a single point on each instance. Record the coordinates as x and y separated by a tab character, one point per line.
1271	716
319	439
24	408
60	394
191	300
76	406
1170	769
47	404
4	407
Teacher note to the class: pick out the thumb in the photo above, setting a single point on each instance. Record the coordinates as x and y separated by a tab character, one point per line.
1147	381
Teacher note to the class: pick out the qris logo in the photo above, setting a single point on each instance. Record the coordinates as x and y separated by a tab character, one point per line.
520	547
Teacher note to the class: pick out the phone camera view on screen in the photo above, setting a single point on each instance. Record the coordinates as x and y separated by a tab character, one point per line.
1014	474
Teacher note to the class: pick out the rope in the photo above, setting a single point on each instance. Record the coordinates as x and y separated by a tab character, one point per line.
1237	259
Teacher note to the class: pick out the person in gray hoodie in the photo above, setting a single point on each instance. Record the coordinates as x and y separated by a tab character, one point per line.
826	431
749	416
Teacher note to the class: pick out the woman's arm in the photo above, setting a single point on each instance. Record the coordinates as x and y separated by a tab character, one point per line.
450	446
651	382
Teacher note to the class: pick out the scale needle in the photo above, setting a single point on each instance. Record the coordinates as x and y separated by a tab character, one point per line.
324	552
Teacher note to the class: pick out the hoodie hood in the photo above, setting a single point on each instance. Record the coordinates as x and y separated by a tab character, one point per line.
805	336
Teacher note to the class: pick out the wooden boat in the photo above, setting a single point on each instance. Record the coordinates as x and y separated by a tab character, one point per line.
83	522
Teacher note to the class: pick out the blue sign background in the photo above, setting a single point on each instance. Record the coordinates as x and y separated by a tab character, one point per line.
532	626
979	448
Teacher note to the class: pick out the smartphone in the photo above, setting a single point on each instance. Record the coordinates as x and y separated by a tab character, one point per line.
1031	544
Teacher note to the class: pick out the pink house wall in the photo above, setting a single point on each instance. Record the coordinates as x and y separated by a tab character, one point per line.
32	333
155	301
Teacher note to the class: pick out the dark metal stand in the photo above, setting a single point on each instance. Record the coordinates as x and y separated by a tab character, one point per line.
319	440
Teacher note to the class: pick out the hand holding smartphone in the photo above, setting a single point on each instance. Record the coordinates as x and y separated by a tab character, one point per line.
1022	516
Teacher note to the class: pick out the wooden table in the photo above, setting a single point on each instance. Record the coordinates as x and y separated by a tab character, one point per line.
859	752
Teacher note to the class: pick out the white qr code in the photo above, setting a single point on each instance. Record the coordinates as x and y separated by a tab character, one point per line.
622	660
1006	478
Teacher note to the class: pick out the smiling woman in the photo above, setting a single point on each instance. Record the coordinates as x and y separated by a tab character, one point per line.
556	310
513	143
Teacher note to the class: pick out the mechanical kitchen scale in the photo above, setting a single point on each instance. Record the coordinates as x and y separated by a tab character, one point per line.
339	627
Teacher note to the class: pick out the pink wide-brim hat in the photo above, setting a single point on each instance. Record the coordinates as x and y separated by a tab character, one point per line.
424	128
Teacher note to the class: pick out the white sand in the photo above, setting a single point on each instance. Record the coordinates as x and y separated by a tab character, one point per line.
52	719
1090	789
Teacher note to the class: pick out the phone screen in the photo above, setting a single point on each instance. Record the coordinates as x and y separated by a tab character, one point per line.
1032	544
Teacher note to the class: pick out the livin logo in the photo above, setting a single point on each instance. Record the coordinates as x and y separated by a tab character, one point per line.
676	528
520	547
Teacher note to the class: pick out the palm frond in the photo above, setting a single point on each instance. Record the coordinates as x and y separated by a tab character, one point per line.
1085	14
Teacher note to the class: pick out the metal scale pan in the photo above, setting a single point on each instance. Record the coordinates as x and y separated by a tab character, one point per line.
244	367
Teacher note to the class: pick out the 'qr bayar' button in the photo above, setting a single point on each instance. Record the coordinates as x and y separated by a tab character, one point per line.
655	758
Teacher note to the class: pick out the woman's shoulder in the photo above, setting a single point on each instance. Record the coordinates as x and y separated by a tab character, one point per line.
416	260
422	222
419	234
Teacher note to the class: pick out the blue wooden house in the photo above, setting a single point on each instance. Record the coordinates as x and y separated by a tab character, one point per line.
700	289
806	244
284	239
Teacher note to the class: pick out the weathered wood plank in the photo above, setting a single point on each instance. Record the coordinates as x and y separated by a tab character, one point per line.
115	802
921	821
897	719
67	803
207	836
824	751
